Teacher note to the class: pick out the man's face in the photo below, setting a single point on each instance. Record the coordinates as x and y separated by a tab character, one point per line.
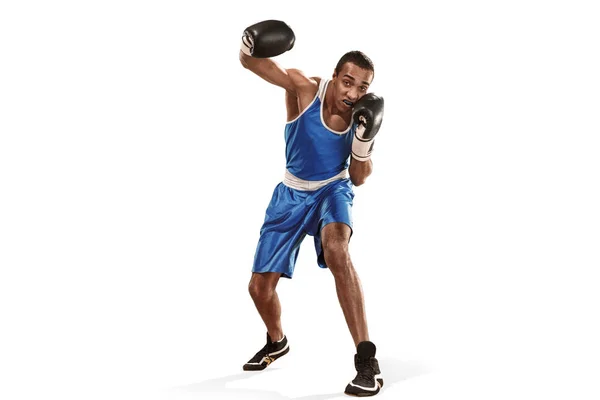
351	83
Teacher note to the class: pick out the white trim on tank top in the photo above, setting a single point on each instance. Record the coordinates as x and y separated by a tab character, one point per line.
323	84
308	106
322	98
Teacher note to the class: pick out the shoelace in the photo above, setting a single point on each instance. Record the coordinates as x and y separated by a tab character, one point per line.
365	369
261	353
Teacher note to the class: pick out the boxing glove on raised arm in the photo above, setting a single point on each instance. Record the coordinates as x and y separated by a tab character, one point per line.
267	39
368	114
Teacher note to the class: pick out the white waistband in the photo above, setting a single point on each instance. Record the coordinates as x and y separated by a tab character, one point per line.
294	182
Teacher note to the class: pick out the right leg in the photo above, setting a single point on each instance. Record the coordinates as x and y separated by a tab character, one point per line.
280	237
262	290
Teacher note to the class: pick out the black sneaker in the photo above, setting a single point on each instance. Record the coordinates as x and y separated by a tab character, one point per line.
271	352
368	381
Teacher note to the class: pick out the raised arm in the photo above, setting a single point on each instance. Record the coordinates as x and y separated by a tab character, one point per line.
268	39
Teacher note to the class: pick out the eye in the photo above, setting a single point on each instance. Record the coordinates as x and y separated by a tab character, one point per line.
363	88
346	83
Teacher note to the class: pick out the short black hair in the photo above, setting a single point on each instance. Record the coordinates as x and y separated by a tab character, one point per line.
357	58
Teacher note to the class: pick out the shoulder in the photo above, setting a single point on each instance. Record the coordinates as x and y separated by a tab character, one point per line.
301	81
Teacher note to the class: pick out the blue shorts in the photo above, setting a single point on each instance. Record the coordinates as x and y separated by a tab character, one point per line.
291	215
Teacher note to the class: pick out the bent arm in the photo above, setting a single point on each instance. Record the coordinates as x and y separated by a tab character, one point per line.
359	171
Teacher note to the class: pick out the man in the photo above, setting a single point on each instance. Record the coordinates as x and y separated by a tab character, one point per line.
328	120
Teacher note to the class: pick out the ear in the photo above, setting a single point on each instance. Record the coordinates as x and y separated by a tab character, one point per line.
334	74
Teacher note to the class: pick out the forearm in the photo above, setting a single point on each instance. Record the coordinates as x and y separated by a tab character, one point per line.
267	69
257	65
359	171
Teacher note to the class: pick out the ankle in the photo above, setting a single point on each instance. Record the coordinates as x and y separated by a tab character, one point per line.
276	337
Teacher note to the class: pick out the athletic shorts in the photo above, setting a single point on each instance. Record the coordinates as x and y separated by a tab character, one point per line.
291	215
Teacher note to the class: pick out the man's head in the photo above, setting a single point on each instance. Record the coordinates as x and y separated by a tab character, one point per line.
352	76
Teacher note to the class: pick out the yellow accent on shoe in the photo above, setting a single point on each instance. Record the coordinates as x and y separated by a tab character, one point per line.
269	360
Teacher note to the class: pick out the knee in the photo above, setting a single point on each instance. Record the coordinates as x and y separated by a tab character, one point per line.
336	256
260	290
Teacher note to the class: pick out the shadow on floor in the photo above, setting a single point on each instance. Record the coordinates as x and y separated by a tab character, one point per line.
393	370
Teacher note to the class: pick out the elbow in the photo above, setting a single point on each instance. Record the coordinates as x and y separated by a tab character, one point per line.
243	60
357	181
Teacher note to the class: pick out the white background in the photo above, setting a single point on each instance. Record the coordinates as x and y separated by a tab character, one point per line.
137	158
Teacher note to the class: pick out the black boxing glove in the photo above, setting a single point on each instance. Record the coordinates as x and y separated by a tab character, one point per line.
267	39
368	114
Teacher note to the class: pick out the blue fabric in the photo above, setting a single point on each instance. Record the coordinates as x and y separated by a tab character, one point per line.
312	151
291	215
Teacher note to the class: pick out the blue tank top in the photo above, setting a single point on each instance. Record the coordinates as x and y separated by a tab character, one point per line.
313	151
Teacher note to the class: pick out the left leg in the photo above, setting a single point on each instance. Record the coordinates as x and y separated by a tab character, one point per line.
368	381
332	231
335	237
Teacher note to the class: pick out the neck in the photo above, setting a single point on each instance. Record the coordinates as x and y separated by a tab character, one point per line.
331	105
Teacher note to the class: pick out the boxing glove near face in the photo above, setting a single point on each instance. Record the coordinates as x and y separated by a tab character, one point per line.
368	114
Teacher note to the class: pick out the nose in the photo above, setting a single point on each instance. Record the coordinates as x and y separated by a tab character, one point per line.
352	94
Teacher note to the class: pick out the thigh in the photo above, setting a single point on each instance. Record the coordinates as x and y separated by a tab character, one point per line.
333	219
281	233
334	204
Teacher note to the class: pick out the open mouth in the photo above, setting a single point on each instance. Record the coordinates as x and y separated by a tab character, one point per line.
348	103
